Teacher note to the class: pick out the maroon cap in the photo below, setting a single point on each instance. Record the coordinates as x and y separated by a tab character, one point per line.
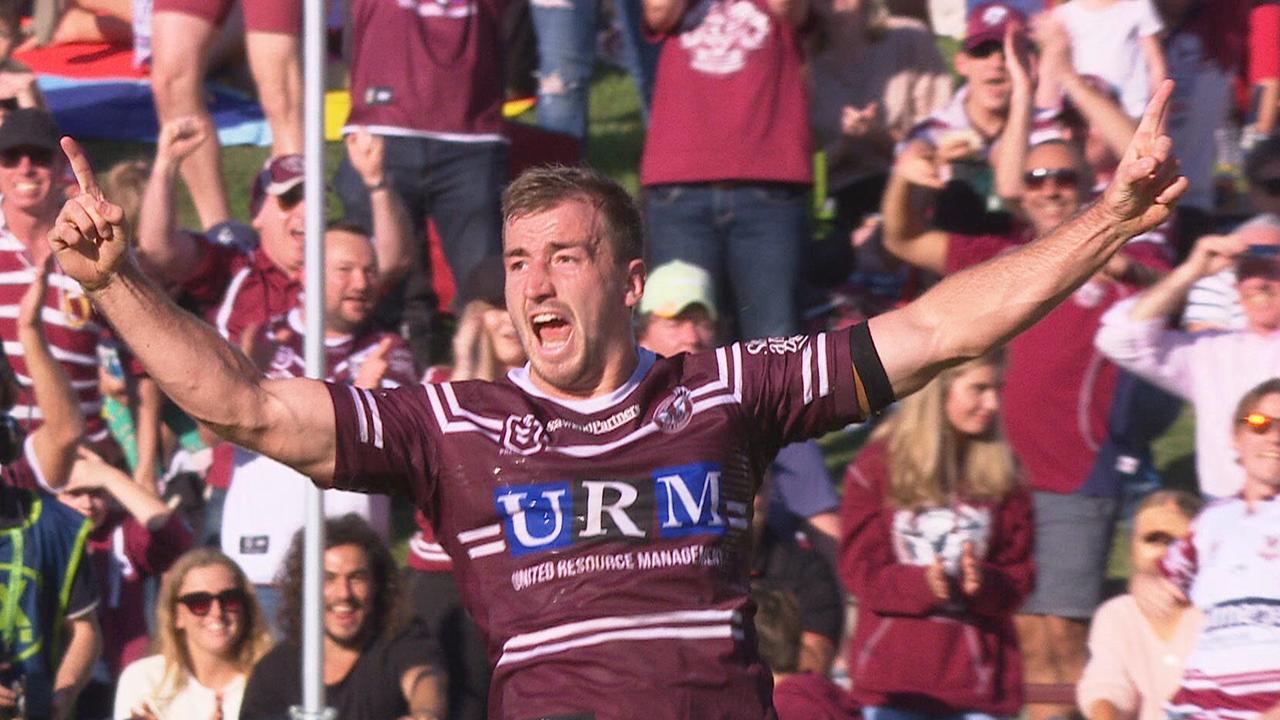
988	21
278	176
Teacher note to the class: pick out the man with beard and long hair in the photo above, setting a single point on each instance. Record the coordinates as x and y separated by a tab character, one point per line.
375	664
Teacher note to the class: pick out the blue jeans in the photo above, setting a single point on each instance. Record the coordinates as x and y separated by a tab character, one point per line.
459	186
566	31
872	712
747	236
269	601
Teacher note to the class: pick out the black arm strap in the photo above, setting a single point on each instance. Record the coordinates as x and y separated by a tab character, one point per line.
866	363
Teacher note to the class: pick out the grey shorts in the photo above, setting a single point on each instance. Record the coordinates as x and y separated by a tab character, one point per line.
1072	543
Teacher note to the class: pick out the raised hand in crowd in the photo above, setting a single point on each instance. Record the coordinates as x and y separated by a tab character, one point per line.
1157	597
91	473
859	122
1010	152
374	367
179	138
936	576
55	441
391	226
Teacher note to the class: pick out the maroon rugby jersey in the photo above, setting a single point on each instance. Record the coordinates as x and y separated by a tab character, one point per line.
427	68
343	356
603	545
71	327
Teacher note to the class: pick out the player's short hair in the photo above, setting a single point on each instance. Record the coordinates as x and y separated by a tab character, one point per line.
543	188
778	628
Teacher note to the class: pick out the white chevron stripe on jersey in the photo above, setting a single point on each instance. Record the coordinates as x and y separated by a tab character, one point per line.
446	424
824	379
466	537
679	625
452	400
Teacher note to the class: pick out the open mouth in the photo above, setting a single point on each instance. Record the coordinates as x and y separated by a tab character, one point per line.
552	329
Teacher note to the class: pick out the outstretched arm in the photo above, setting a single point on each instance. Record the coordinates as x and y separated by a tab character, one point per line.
54	443
289	420
972	311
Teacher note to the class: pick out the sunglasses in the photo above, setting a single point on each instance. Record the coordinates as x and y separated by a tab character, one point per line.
40	157
1035	178
1257	422
1156	537
232	600
985	49
289	199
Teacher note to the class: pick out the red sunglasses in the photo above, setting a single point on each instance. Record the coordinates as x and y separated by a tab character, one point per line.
1259	423
232	600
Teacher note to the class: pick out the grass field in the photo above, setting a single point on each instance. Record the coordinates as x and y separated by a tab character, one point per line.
614	144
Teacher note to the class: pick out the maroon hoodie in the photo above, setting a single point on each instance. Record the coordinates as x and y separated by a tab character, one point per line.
910	650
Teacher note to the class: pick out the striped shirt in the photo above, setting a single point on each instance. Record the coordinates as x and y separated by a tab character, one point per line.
1230	568
74	332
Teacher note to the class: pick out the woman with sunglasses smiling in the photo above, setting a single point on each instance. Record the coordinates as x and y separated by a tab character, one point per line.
1229	567
1136	651
209	634
937	549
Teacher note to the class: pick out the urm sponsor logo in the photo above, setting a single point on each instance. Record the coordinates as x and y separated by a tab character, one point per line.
673	502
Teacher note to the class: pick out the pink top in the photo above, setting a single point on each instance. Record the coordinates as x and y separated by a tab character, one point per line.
1129	664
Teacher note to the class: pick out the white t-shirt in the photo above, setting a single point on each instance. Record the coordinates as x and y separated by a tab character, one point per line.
1105	43
266	505
1214	301
139	686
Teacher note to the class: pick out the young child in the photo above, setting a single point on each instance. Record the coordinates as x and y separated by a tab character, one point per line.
1136	656
1116	40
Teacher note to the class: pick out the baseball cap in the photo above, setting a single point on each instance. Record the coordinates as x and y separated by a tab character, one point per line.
29	127
676	285
987	22
278	176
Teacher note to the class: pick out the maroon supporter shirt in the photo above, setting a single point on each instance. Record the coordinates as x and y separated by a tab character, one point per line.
1057	386
236	289
344	355
71	327
428	68
603	545
730	100
124	554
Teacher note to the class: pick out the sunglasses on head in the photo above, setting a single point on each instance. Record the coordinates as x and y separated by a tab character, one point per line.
232	600
1035	178
40	157
1259	423
985	49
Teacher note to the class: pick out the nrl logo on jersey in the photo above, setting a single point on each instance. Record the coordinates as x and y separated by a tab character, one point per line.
674	413
523	435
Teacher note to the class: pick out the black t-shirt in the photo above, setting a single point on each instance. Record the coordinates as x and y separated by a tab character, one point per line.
370	691
784	565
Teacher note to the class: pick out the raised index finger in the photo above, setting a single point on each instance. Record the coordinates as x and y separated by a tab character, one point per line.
1156	115
81	167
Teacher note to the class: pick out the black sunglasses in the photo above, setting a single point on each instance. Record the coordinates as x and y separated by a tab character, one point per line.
232	600
1035	178
985	49
1259	423
40	157
290	198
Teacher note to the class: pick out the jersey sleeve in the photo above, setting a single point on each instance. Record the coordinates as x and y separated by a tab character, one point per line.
800	387
83	598
383	441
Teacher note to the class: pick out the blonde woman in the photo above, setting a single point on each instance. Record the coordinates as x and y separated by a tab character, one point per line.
937	550
209	634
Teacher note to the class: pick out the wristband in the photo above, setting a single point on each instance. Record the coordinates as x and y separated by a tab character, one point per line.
381	185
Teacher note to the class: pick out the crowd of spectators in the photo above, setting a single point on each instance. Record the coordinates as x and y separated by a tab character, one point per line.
959	568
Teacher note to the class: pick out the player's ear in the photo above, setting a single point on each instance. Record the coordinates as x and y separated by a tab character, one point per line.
636	272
